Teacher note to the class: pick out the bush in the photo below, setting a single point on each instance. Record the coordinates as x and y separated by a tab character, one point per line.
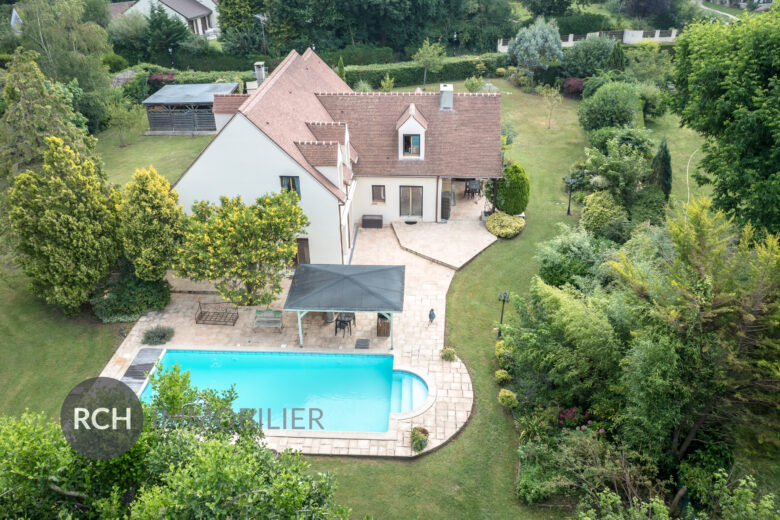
614	104
505	226
419	438
649	206
587	56
513	190
604	217
503	355
571	256
636	138
507	398
583	23
158	335
573	87
362	86
535	473
653	104
408	73
502	377
473	84
127	297
114	62
500	72
448	354
593	83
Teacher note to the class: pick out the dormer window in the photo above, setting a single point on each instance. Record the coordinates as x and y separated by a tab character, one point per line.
411	127
411	145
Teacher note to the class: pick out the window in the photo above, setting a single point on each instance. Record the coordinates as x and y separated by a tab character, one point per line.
291	183
377	193
411	201
412	145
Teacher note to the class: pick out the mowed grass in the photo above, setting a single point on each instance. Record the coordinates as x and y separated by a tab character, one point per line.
739	13
43	353
473	476
170	155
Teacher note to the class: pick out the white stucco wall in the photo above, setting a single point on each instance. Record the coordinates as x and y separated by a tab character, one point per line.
390	209
145	7
242	160
221	120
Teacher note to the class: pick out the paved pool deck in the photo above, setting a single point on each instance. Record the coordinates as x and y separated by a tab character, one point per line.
417	346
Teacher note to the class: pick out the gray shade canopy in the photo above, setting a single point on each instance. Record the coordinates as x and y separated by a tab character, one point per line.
198	94
348	288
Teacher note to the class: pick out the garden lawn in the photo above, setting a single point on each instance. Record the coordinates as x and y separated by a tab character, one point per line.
473	476
43	353
170	155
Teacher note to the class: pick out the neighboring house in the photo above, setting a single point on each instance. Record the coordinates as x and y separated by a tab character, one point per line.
117	9
199	15
347	154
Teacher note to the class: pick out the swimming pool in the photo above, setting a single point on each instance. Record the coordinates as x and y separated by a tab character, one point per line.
353	392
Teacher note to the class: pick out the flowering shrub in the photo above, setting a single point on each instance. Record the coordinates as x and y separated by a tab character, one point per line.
419	438
503	355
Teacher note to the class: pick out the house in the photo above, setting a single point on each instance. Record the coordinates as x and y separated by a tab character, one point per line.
349	155
184	109
199	15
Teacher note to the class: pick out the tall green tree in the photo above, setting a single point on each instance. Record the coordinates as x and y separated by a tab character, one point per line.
537	47
36	109
97	11
616	59
244	249
66	225
726	88
69	48
164	33
430	56
236	15
662	168
513	190
151	224
340	69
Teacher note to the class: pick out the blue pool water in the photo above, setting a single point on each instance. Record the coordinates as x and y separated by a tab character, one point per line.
356	393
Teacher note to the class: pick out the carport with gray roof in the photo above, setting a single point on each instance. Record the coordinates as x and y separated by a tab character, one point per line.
184	108
346	288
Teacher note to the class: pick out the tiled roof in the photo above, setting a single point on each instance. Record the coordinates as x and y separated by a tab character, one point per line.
285	102
332	131
228	103
463	142
319	153
118	8
411	111
189	9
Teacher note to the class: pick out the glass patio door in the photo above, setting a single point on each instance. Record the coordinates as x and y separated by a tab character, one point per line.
411	201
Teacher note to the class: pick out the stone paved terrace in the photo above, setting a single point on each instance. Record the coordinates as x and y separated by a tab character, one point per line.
417	347
454	243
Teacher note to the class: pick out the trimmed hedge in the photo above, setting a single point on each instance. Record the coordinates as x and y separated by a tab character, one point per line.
505	226
408	73
583	23
359	54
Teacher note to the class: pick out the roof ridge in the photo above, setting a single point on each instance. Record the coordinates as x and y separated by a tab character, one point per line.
376	93
308	141
255	97
327	123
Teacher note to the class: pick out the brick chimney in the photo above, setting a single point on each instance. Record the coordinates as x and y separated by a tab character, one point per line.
445	96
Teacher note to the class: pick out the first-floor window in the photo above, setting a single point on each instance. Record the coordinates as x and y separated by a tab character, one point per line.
411	201
377	193
291	183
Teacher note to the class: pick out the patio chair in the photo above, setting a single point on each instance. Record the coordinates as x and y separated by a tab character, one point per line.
343	325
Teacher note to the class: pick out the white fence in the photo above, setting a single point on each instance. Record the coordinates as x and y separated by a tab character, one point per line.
626	36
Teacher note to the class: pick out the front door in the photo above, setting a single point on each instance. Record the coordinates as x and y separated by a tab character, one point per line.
303	252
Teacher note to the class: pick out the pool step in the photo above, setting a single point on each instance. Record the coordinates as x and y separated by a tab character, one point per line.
407	395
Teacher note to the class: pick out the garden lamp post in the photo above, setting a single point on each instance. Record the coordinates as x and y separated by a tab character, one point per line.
170	52
570	184
503	298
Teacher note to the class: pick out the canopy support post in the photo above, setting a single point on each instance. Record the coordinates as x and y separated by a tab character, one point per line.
300	314
391	331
